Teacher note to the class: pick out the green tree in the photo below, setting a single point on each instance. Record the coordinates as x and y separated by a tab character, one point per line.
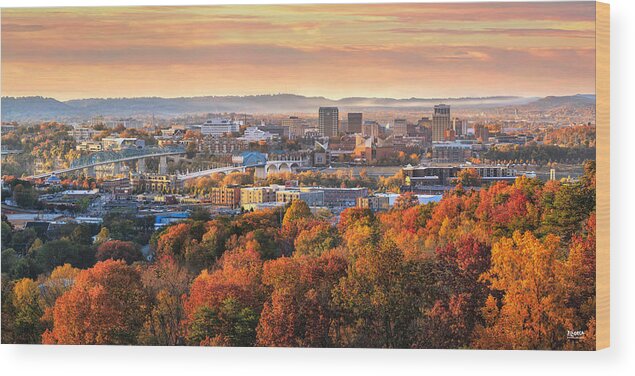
230	324
60	252
24	196
28	311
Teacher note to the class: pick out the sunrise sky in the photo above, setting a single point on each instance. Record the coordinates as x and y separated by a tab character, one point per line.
385	50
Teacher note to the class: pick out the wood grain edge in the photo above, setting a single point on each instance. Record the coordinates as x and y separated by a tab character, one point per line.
603	98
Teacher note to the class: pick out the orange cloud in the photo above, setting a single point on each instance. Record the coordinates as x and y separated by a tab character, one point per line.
398	50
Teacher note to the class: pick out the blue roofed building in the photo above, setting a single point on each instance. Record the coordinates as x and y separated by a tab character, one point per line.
164	219
250	158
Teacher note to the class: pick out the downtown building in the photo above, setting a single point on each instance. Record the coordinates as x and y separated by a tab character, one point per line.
328	121
296	127
218	127
355	121
440	122
400	127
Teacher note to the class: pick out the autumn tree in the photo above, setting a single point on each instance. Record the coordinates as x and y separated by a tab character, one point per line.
468	253
166	283
532	312
106	305
468	177
179	240
27	327
237	278
405	201
102	236
317	239
380	297
54	285
299	209
580	284
264	241
300	311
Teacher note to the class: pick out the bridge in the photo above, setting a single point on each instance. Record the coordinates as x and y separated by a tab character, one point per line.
262	169
115	157
217	170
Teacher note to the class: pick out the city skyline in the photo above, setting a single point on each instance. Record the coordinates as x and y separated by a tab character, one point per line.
335	51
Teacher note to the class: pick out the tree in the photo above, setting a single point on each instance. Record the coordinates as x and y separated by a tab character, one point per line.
21	240
166	283
468	177
230	324
57	283
298	210
119	250
102	236
191	149
316	240
28	310
467	253
405	201
200	214
25	196
299	311
570	208
106	305
380	297
179	239
82	234
237	278
532	312
7	231
60	252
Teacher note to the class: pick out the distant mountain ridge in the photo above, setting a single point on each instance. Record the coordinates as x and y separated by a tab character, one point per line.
574	100
41	108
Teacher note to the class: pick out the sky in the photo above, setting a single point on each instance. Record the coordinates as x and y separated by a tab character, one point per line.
355	50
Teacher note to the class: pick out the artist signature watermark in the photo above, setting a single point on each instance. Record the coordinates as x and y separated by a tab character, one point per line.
575	335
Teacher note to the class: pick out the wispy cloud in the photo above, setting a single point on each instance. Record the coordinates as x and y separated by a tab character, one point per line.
399	50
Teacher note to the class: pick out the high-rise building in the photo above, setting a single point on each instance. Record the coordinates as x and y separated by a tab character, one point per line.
459	126
328	122
400	128
354	122
440	122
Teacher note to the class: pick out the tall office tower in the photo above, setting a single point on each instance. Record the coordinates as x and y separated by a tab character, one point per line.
400	128
440	122
328	123
354	122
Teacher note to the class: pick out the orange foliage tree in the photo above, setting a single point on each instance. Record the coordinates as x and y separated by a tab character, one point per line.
106	305
299	311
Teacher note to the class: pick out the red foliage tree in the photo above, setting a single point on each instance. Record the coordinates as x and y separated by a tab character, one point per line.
299	311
